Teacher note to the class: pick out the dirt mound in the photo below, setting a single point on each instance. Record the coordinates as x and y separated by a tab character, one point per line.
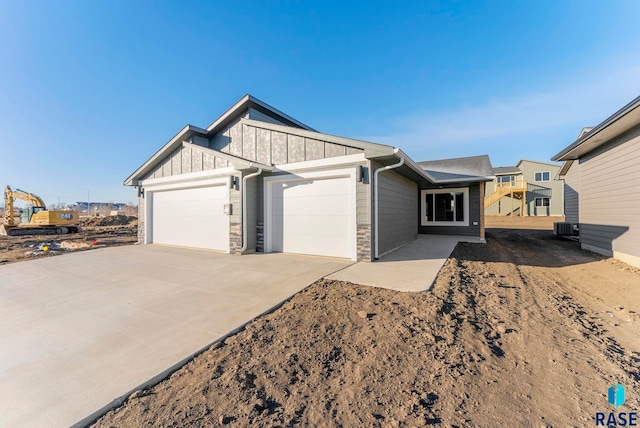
112	220
517	332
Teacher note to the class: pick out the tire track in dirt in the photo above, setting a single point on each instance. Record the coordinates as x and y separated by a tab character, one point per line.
505	338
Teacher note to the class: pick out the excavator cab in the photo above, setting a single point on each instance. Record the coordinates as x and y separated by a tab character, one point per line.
28	212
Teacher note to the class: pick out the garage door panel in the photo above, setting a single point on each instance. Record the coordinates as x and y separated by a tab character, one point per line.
319	187
319	245
315	225
313	217
318	205
191	218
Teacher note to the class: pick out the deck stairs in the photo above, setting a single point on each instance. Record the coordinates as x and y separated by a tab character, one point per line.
514	189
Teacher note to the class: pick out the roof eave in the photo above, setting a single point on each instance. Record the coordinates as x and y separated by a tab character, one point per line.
577	148
172	144
246	102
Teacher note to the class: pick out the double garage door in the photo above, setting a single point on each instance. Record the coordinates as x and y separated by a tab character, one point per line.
192	217
304	216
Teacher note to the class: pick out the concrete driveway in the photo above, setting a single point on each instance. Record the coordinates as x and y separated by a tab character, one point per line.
80	330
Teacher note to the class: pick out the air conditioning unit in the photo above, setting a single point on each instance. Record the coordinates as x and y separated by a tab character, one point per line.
565	229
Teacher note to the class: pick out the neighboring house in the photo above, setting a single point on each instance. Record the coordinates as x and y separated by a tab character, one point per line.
527	189
257	179
571	183
602	173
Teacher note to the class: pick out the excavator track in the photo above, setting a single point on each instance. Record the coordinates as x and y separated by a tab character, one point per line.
25	231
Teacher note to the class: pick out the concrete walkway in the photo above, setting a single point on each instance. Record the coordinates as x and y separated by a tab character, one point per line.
413	267
80	330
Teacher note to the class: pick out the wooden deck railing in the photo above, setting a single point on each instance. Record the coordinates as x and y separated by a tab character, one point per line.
513	185
516	189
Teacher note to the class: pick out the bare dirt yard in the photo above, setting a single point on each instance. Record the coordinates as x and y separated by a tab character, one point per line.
96	232
527	330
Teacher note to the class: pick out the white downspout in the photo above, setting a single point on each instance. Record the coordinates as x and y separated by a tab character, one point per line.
375	196
245	240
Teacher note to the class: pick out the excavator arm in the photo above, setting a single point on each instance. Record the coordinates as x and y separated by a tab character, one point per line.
11	195
36	201
8	207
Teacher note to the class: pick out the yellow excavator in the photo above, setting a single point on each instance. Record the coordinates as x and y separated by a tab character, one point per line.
36	219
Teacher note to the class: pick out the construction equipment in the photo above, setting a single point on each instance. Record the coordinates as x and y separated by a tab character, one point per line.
36	219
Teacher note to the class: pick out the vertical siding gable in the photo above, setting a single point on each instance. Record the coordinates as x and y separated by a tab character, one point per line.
176	162
263	142
208	161
196	161
235	140
314	149
332	150
295	149
186	160
249	143
278	147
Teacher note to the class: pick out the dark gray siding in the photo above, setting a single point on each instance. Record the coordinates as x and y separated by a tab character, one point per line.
475	211
609	197
254	210
398	211
572	193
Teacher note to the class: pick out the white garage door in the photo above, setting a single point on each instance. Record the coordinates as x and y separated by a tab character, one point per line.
191	218
313	217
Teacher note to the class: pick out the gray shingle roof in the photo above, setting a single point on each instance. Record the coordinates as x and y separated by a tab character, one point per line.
503	170
472	168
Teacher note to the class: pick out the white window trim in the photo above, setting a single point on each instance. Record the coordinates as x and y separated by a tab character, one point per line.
423	207
535	202
303	176
541	176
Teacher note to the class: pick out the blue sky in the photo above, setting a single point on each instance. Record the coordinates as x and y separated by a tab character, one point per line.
89	90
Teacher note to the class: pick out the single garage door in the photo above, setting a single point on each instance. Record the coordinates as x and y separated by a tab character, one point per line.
313	217
191	217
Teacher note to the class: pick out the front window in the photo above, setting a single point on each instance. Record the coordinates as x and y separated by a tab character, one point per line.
445	207
543	176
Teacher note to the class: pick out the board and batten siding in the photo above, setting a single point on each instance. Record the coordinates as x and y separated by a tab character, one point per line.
398	211
274	147
572	193
187	159
610	198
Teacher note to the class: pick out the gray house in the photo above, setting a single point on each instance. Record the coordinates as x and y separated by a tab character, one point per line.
601	174
527	189
257	179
